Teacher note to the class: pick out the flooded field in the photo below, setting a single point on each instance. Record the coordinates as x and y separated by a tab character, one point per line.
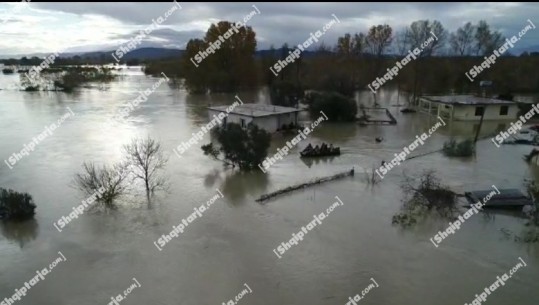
231	245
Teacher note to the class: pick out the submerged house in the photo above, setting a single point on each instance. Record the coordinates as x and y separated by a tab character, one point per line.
468	107
268	117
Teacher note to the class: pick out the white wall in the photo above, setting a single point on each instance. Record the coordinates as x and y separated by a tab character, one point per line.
492	112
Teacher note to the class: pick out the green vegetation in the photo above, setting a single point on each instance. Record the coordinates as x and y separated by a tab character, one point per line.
14	205
231	67
285	93
337	107
245	148
465	148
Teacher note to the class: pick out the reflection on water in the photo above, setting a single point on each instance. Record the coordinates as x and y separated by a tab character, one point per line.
232	242
20	232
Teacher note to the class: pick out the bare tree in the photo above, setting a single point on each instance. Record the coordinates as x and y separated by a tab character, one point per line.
422	31
486	41
461	41
402	44
146	158
105	183
429	37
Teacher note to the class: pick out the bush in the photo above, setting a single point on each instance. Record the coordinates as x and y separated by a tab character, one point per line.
336	106
465	148
245	148
424	196
14	205
285	93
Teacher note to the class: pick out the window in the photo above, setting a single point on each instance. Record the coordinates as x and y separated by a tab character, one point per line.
242	121
479	111
504	110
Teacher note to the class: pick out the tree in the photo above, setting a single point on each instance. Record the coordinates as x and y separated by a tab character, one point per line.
242	147
461	42
486	41
418	34
14	205
108	181
422	31
146	158
336	106
228	67
379	38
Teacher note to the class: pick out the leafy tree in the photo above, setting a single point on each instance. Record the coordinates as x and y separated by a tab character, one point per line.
231	67
285	93
15	205
379	38
336	106
242	147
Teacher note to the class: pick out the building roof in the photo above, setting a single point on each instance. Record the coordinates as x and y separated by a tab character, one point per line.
466	100
256	110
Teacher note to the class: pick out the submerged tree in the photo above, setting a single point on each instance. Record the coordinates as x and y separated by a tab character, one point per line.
336	106
245	148
15	205
422	196
146	158
106	183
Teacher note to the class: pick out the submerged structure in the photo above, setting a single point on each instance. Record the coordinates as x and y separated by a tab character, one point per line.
268	117
467	107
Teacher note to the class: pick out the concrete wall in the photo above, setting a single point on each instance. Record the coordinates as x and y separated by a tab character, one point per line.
492	112
467	112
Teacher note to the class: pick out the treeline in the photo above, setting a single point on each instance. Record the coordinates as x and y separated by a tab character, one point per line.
355	61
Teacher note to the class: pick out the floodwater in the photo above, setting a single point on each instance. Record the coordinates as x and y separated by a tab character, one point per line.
232	243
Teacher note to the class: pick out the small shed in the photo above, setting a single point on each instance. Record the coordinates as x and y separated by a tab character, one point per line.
468	107
268	117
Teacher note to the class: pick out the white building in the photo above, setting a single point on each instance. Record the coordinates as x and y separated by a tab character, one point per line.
269	117
468	107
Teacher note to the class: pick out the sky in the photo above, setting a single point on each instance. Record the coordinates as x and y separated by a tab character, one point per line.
29	28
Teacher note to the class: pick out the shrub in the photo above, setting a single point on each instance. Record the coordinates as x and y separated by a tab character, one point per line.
465	148
14	205
336	106
245	148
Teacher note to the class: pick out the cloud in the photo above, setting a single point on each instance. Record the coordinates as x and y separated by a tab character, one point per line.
45	27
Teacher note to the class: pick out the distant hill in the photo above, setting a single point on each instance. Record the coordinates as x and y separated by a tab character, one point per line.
140	54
